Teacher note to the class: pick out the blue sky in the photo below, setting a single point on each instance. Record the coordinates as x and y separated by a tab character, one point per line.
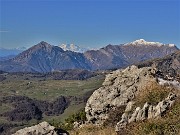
88	23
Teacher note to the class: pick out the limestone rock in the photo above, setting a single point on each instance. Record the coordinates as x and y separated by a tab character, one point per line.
129	106
142	112
151	112
122	123
147	112
134	115
41	129
76	124
163	105
118	89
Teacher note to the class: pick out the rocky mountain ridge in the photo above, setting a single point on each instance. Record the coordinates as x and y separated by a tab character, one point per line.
118	56
44	57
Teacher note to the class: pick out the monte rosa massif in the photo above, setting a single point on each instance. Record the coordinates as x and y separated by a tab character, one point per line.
44	57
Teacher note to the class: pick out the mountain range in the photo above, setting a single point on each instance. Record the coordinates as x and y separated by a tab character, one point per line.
44	57
117	56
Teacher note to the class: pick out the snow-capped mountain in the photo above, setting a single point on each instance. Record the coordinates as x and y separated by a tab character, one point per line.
144	42
116	56
72	47
44	57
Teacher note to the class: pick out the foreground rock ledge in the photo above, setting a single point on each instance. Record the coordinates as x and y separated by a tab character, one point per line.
118	89
43	128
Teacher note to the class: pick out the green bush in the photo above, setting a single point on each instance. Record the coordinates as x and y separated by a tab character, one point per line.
68	124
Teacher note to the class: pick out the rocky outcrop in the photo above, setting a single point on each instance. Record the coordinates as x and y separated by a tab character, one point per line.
119	87
41	129
147	112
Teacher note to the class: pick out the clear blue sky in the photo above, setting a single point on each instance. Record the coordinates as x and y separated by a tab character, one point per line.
93	23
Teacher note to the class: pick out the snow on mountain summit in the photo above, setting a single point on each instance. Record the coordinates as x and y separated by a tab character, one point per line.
144	42
72	47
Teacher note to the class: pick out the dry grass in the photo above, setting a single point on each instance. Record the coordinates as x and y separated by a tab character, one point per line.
49	89
152	93
93	130
169	124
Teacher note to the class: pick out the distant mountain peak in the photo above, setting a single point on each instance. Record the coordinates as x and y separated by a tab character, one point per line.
72	47
171	45
144	42
43	43
40	45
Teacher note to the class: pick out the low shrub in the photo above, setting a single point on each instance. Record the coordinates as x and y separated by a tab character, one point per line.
68	123
152	93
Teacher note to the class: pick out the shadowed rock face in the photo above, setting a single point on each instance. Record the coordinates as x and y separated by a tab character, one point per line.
118	89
